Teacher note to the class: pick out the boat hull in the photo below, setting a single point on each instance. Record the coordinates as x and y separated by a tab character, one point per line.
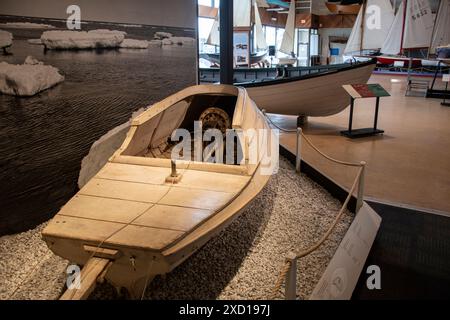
390	61
318	95
139	217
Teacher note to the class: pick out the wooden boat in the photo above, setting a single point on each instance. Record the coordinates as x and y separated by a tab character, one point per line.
299	91
136	218
411	29
338	8
315	95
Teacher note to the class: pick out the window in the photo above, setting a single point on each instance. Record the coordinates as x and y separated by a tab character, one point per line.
204	29
280	33
270	33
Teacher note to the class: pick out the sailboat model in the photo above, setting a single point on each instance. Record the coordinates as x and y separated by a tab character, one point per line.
241	18
369	33
287	44
412	29
440	41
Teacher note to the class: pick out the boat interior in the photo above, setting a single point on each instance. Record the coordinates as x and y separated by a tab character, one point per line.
151	134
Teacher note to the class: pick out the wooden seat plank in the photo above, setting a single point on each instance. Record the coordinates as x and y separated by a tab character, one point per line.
144	237
97	208
174	218
124	190
195	198
134	173
77	228
213	181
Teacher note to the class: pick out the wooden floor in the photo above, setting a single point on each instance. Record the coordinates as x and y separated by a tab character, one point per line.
409	164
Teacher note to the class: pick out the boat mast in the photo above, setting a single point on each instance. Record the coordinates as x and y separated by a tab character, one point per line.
405	7
361	43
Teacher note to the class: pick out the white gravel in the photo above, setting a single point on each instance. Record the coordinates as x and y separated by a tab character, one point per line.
243	262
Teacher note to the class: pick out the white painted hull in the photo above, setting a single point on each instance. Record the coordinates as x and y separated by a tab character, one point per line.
316	96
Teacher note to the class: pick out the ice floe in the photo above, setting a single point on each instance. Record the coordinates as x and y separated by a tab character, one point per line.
181	41
5	39
29	78
26	25
35	41
162	35
134	44
94	39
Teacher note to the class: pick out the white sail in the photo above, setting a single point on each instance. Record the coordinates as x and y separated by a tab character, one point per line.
418	24
441	34
392	44
241	13
214	35
260	43
378	20
287	45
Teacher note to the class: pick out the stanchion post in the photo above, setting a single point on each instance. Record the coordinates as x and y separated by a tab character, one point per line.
360	200
298	152
291	278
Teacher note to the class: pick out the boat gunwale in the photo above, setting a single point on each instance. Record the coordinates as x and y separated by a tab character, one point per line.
263	83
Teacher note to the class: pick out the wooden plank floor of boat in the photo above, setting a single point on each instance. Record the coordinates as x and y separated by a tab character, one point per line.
133	206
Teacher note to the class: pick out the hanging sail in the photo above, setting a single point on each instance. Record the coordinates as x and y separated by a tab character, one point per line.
214	35
241	13
260	39
418	24
392	44
378	19
441	34
287	45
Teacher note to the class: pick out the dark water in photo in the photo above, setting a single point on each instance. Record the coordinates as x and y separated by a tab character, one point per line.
44	138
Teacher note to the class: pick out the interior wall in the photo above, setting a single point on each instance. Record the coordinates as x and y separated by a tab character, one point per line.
172	13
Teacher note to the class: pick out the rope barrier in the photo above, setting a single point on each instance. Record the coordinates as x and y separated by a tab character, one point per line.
345	163
303	253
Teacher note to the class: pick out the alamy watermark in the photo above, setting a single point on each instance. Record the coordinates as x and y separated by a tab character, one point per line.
232	147
74	19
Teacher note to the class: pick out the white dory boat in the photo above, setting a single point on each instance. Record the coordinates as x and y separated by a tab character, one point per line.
136	218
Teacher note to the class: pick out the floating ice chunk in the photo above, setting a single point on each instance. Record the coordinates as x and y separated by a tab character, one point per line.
27	79
5	39
26	25
94	39
35	41
134	44
103	149
155	43
32	61
162	35
181	41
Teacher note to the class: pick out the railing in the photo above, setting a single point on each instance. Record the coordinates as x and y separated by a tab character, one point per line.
288	273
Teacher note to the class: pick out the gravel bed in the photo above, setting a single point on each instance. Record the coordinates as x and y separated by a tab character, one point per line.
243	262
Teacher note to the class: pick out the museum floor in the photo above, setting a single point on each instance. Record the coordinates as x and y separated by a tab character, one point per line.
407	166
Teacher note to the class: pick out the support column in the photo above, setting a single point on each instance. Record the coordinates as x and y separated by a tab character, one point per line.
226	41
